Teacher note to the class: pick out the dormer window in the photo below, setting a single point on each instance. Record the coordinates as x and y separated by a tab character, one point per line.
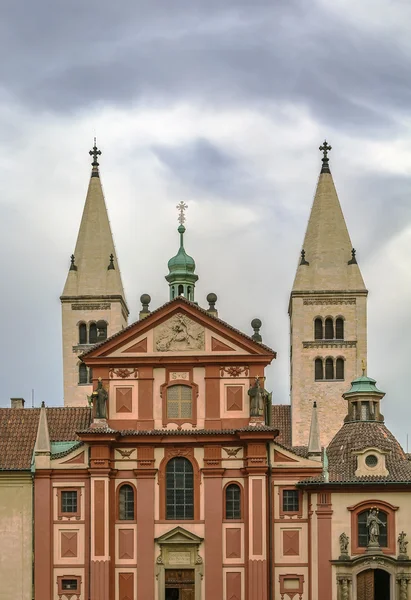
371	462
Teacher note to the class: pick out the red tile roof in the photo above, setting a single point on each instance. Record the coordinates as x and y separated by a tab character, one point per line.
281	419
18	431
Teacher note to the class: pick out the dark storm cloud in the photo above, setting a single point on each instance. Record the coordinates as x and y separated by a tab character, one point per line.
204	166
74	55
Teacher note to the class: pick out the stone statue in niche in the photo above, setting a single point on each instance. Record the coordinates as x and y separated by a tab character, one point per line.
99	400
373	526
258	399
179	333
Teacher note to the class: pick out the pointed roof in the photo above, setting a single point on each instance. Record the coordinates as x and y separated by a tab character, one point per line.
94	269
314	444
43	437
327	259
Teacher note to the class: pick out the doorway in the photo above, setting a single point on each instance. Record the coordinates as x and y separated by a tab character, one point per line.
373	584
179	584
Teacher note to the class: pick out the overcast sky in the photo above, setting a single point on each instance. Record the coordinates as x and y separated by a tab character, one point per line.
222	104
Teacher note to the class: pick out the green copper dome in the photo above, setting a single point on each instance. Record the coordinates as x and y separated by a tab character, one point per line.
363	385
181	276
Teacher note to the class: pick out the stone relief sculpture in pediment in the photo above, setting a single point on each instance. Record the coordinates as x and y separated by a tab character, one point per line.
179	333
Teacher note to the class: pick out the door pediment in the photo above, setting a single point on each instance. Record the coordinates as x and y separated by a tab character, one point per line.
179	535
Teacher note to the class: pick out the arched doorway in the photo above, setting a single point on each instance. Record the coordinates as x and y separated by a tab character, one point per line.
373	584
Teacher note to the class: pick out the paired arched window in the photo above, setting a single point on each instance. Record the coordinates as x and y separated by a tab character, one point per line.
82	374
329	329
233	501
93	333
179	489
179	402
363	530
126	503
330	369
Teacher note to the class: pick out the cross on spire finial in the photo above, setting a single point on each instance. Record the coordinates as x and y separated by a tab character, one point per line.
95	152
181	207
325	148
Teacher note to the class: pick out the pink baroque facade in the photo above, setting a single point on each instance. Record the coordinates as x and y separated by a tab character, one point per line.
173	492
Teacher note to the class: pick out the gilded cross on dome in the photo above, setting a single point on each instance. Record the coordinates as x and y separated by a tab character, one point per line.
325	148
181	207
94	152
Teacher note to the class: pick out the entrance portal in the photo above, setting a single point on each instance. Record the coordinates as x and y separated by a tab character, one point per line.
179	584
373	584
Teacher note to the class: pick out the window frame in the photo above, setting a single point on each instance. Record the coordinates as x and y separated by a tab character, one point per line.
83	368
339	320
365	505
68	515
168	455
194	396
329	321
94	325
290	513
82	326
329	360
118	491
318	360
175	489
228	519
61	591
318	320
339	360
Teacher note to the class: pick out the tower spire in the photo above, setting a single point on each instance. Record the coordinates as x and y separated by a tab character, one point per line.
328	260
328	316
93	299
181	276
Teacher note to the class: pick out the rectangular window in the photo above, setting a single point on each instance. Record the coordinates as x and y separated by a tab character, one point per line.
69	584
291	501
69	502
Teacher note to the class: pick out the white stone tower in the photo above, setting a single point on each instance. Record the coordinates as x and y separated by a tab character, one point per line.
93	301
328	317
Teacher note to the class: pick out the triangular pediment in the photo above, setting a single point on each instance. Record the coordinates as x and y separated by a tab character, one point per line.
179	328
178	535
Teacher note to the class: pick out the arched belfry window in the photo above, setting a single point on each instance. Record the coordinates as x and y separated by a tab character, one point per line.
179	402
318	329
339	368
339	329
319	369
329	368
180	290
179	489
93	333
82	374
126	503
101	330
329	329
82	333
233	501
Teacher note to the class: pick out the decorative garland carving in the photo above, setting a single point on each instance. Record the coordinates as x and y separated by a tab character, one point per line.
232	452
125	453
123	373
235	371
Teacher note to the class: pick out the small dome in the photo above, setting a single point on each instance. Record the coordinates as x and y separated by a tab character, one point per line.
358	436
363	384
181	261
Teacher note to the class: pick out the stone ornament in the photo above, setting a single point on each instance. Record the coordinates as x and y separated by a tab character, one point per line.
234	371
99	399
344	581
402	546
344	541
123	373
179	333
258	399
403	580
373	526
